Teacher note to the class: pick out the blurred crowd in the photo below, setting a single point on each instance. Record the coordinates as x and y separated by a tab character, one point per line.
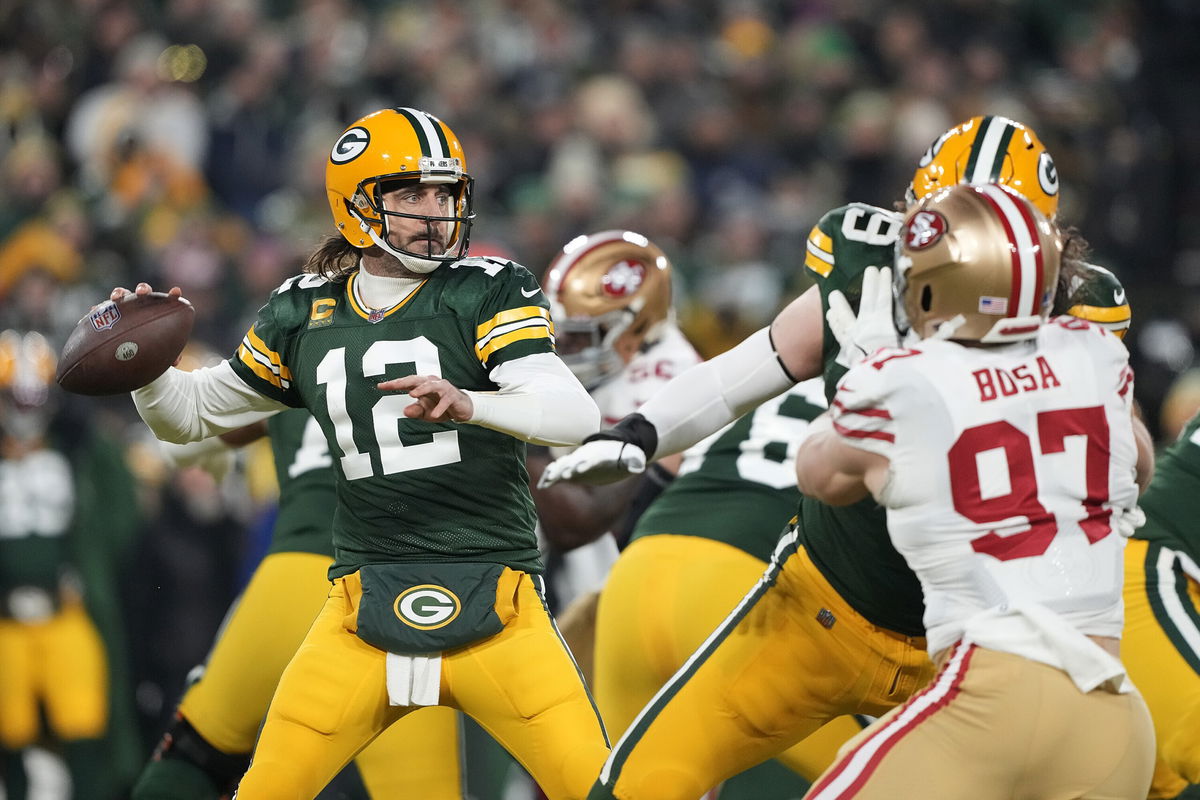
183	142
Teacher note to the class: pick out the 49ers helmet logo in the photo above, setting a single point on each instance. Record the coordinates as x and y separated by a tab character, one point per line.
623	278
427	607
350	145
924	230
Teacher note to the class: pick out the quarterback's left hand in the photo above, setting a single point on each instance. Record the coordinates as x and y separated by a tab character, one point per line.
437	400
874	326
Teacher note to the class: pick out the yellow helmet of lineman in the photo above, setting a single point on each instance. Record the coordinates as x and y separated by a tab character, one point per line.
389	146
989	150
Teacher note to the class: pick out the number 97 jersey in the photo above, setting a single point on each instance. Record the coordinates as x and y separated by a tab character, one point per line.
408	490
1007	466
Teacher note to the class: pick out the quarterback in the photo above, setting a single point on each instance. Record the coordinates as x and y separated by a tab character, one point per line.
427	371
1003	448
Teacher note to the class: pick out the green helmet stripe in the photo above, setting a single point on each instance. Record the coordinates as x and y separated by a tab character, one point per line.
418	129
988	150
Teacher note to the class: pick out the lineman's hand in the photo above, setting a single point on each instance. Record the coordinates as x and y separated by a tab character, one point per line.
596	461
874	326
437	400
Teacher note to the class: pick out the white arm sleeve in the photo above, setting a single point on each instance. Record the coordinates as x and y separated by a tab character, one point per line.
189	406
713	394
540	401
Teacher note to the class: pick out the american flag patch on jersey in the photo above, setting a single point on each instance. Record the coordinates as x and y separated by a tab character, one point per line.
993	305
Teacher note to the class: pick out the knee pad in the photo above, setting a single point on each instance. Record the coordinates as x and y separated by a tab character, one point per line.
182	742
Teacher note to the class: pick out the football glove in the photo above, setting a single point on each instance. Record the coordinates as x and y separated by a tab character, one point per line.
609	455
874	326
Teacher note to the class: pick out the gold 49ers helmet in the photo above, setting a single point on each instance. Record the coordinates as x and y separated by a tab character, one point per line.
396	144
27	365
975	263
610	294
989	150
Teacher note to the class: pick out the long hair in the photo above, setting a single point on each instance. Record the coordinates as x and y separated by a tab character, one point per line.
1071	273
334	259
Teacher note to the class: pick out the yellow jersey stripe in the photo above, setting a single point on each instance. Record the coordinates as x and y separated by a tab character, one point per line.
820	241
259	369
511	315
1101	313
358	309
504	340
259	346
818	265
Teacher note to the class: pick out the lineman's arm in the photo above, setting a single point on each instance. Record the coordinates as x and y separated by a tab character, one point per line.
1145	451
704	399
834	472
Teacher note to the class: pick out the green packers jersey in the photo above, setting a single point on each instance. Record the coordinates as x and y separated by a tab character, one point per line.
307	496
1172	502
849	544
738	486
408	490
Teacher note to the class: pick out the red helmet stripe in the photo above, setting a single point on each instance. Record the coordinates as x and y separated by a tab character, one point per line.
1025	246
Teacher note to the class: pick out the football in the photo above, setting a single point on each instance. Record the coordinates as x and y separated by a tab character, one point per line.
125	344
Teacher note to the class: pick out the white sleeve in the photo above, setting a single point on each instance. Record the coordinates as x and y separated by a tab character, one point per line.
189	406
540	401
713	394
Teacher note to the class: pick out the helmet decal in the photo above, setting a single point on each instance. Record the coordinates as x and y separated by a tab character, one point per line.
623	278
1047	174
925	229
352	144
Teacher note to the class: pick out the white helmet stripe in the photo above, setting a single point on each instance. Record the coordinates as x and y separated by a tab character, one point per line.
1026	251
430	129
991	140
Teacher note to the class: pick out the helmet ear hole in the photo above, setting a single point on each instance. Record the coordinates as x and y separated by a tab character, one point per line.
926	297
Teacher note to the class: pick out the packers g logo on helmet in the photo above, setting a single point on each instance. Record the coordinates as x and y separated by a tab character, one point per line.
386	147
350	145
989	150
427	607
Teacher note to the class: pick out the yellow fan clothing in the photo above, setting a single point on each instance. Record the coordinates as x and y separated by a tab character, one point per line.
521	685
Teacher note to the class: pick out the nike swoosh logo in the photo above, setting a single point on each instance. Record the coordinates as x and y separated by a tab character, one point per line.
530	293
1119	297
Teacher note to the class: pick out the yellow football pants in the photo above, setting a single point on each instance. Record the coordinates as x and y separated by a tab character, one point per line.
1161	650
663	598
521	685
418	758
59	665
790	657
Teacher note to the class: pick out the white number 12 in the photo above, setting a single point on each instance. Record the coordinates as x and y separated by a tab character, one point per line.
388	411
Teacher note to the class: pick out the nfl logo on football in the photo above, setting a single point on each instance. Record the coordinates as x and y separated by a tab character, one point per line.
105	316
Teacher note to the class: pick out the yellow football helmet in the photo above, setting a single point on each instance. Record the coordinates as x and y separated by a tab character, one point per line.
989	150
396	144
975	263
610	293
27	366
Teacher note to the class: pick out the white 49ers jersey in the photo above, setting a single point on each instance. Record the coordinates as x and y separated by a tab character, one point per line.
586	568
1010	467
648	372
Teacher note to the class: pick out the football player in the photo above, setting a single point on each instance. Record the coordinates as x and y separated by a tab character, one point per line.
65	495
207	747
1162	620
857	646
967	434
610	298
427	371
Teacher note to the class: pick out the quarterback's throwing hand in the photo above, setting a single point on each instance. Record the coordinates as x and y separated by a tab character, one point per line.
436	399
873	327
597	461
